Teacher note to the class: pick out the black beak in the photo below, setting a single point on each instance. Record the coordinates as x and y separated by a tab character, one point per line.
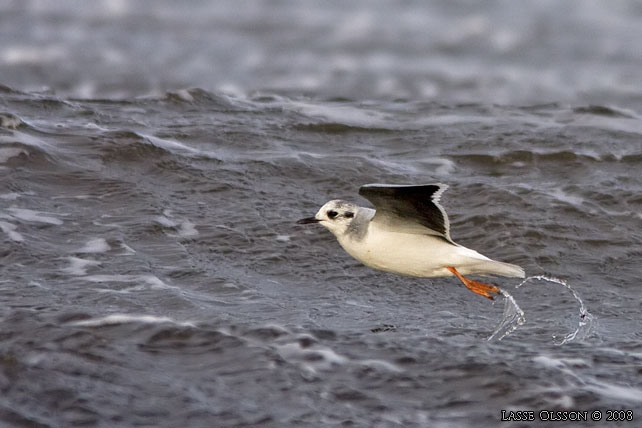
308	220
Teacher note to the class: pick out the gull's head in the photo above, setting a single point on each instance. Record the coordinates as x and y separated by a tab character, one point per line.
336	216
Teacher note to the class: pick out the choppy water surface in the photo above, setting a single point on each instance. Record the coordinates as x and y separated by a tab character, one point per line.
151	271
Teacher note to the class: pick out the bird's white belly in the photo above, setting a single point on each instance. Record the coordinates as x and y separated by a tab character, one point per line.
406	254
410	254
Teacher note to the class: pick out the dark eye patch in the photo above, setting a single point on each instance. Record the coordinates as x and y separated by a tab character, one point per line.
349	214
332	214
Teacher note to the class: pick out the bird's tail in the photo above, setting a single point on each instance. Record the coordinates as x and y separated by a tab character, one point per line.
492	267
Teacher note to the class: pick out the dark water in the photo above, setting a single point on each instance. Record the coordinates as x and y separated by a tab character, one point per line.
151	273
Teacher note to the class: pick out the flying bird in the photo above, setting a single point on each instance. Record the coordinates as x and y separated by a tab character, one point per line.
409	234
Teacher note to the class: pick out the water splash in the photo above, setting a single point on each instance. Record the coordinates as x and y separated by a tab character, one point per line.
512	318
586	318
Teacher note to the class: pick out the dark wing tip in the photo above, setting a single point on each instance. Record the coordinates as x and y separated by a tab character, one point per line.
437	188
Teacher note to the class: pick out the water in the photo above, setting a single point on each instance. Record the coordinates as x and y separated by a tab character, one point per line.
154	159
585	320
512	318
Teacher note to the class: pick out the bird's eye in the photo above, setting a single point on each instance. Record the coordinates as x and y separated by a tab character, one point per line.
349	214
332	214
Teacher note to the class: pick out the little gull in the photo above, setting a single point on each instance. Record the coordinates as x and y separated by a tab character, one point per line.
407	234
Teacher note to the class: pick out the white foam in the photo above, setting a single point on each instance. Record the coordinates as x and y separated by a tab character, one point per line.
80	197
563	196
78	266
150	280
184	95
309	357
559	363
440	166
187	229
96	245
344	114
10	196
33	216
10	230
616	392
357	304
381	365
609	390
164	221
128	318
175	146
127	248
98	223
94	126
318	357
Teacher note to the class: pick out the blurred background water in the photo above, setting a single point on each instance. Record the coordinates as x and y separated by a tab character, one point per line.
497	52
154	156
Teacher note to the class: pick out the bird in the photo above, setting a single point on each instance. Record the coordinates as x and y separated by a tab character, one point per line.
408	233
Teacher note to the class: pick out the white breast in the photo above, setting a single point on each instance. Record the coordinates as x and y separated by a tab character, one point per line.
407	253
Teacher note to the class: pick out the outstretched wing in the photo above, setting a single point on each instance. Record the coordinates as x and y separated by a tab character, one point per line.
409	209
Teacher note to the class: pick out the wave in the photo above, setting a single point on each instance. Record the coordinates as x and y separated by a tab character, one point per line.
565	157
607	111
21	149
130	146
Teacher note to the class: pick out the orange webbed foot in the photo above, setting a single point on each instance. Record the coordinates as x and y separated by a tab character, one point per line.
480	288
